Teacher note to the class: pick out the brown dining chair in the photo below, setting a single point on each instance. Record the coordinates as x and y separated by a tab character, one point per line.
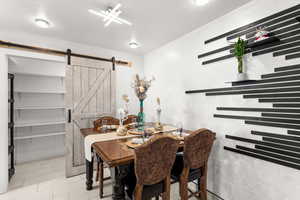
130	119
106	120
192	164
152	169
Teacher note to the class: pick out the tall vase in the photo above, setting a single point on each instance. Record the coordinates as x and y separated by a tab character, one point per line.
141	116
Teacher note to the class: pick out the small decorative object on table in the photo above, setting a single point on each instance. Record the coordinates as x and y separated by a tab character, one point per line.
141	86
122	130
158	125
126	106
239	52
261	34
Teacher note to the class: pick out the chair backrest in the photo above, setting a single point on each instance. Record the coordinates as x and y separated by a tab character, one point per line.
109	121
154	159
197	147
130	119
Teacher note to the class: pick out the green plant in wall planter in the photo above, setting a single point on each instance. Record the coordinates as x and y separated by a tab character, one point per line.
239	52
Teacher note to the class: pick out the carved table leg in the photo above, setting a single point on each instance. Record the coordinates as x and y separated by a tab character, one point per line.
89	174
118	187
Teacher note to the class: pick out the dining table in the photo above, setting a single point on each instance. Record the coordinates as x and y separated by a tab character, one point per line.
118	156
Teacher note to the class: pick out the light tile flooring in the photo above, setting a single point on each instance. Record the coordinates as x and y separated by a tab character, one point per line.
45	180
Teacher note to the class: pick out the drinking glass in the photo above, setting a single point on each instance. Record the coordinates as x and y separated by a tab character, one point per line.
104	126
179	127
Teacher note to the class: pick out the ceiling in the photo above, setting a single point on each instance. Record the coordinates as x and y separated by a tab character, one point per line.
155	22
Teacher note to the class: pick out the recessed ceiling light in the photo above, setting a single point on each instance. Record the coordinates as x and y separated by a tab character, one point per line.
133	44
42	23
200	2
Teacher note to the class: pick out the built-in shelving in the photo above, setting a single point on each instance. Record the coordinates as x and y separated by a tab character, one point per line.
38	107
39	74
39	136
27	124
41	91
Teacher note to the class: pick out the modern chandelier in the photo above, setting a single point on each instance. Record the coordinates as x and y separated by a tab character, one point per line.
111	15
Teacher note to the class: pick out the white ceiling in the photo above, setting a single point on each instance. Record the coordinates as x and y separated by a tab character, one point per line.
155	22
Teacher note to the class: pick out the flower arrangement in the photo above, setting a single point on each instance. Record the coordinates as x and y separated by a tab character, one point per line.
141	86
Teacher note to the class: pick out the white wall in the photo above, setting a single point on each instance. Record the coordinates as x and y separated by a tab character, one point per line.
124	77
176	68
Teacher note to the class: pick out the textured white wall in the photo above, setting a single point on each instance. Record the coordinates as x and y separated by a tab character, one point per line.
176	68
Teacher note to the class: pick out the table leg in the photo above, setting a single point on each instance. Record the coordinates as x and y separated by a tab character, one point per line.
118	187
89	174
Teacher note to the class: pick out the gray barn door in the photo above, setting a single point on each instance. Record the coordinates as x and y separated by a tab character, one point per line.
90	93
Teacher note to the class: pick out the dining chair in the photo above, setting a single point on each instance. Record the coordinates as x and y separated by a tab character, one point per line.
192	164
130	119
152	169
100	165
106	120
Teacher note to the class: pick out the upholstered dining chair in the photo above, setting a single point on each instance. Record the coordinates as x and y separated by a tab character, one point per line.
100	165
106	120
152	169
130	119
192	164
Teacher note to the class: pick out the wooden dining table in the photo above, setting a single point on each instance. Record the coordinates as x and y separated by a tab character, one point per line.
118	156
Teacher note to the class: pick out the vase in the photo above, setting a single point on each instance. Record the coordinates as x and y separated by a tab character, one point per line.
141	116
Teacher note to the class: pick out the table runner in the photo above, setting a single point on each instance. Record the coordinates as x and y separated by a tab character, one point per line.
101	137
90	139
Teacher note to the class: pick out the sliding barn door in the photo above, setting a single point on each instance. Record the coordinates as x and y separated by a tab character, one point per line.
90	93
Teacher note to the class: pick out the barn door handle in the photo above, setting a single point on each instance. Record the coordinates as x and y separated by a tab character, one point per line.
69	116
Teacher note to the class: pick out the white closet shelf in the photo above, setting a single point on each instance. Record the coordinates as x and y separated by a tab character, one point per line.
35	74
39	135
26	124
38	107
40	92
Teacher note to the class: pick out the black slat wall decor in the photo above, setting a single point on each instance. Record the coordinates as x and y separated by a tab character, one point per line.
292	121
279	100
276	135
274	110
292	116
279	151
292	132
292	56
286	105
273	155
279	125
254	24
265	158
280	89
279	141
252	96
285	73
286	68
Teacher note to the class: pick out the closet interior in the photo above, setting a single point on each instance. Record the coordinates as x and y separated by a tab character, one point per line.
39	108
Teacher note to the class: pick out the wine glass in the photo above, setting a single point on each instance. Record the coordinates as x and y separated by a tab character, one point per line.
104	125
179	127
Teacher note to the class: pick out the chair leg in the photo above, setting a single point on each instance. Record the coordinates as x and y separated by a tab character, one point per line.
167	186
101	170
138	192
202	188
184	184
97	172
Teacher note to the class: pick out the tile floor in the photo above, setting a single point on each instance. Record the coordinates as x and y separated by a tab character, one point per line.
45	180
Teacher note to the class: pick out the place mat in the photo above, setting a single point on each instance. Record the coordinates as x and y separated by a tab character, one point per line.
166	128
